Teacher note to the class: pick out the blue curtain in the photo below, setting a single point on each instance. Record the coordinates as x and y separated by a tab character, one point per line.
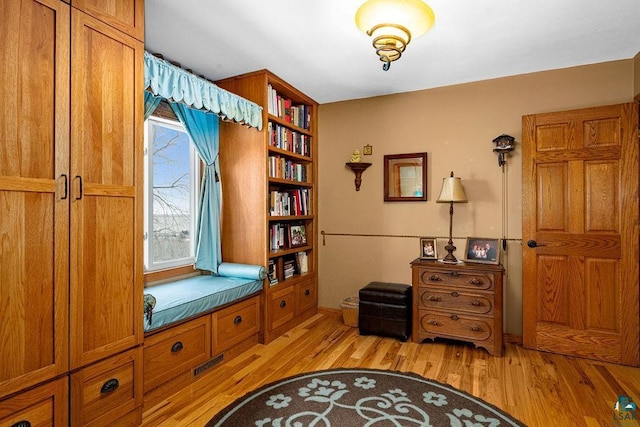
150	103
204	131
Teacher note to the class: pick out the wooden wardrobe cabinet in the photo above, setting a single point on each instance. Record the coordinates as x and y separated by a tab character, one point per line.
70	203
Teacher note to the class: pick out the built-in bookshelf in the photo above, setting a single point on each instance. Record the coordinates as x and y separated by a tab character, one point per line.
269	208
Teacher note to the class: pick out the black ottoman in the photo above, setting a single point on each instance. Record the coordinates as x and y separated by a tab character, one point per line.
385	310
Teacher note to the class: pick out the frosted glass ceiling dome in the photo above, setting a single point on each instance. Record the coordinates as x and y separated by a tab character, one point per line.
392	24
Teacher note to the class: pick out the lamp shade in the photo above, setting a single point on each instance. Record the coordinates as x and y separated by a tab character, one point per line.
415	15
452	191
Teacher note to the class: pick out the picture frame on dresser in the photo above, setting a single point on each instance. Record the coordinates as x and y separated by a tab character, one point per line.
428	249
482	250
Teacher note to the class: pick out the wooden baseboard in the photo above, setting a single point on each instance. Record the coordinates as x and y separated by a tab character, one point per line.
329	311
512	339
507	338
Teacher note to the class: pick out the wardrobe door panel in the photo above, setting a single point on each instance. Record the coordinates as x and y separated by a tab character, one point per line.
106	200
34	202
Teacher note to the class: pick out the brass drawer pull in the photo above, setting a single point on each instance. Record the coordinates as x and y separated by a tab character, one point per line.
176	347
434	323
435	278
23	423
454	317
455	294
477	303
476	281
435	298
476	329
237	320
110	386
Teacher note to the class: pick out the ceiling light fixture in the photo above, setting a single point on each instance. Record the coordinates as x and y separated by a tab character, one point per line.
392	24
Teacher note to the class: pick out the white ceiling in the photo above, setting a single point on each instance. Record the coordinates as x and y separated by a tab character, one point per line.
315	46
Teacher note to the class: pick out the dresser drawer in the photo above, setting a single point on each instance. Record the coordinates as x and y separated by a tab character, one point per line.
108	390
307	296
281	306
45	405
459	301
235	324
452	325
458	279
176	350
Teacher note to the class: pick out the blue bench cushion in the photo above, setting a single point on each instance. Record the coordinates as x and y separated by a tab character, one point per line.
185	298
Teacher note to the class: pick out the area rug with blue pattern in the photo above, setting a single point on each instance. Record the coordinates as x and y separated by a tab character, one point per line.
360	397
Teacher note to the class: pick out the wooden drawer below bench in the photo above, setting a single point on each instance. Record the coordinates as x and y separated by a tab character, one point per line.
235	323
176	350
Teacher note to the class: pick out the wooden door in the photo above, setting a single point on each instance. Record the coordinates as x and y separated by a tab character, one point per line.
580	233
106	202
34	205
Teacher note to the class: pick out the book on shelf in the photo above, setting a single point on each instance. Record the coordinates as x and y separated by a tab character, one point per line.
289	202
278	236
303	262
283	168
289	268
289	140
283	107
273	273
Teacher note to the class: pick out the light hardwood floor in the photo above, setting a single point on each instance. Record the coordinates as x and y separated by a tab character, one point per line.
540	389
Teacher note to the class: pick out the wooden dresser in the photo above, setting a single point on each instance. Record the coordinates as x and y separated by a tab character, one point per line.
458	301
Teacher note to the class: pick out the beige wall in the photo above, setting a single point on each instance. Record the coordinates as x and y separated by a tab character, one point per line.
636	76
455	125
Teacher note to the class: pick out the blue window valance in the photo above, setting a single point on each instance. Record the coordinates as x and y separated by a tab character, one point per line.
166	80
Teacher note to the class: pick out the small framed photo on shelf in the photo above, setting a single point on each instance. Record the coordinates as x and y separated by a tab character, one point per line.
428	248
297	235
482	250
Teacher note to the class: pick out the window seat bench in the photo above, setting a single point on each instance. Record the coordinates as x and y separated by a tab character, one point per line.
198	323
186	298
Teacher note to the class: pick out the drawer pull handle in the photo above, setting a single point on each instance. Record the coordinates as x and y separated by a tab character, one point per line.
435	278
476	281
455	294
454	317
176	347
435	298
237	320
434	323
454	274
477	303
23	423
476	329
283	304
110	386
307	292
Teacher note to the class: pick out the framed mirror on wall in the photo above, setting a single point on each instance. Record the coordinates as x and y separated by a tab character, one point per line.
405	177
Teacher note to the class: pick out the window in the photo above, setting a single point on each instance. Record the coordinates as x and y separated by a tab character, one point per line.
171	195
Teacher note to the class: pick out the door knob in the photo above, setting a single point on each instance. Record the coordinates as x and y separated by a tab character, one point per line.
533	244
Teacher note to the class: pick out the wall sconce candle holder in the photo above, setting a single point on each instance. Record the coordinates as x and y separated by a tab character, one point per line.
358	168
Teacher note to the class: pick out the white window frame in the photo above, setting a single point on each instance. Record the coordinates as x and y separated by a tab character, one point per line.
194	166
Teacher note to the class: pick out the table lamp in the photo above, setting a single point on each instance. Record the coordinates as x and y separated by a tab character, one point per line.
452	192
